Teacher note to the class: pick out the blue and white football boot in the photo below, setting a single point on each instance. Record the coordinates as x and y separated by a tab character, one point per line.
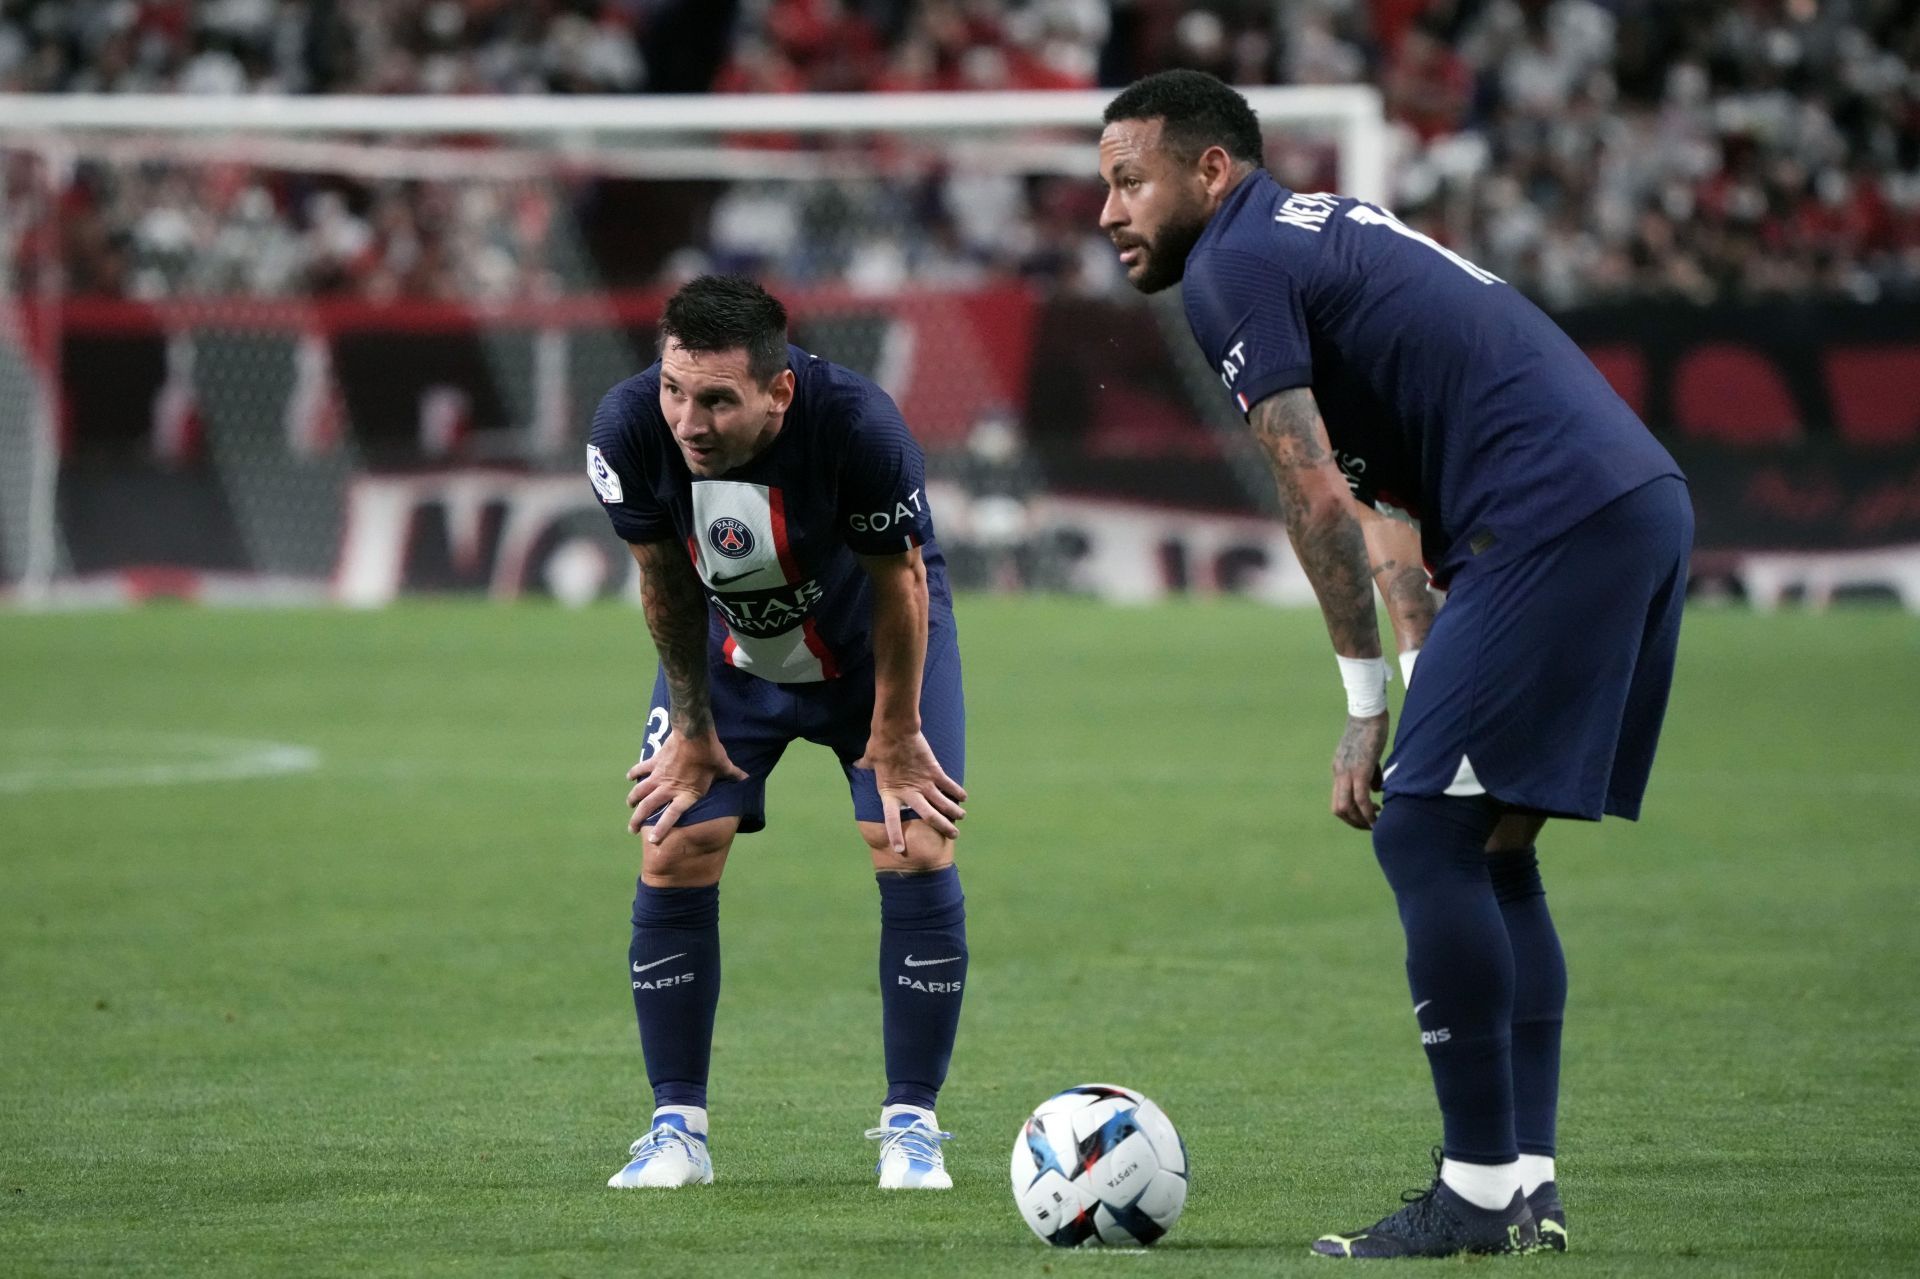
910	1159
673	1154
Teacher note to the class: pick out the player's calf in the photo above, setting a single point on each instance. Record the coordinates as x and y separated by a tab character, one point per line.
1459	965
923	975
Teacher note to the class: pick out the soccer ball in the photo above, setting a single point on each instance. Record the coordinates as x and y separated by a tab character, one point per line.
1099	1164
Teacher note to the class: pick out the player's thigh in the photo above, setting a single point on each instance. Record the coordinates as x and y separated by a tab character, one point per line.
690	856
1652	682
927	848
749	717
841	718
943	703
1522	686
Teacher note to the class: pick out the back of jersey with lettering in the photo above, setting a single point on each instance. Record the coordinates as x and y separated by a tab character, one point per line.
1448	397
775	541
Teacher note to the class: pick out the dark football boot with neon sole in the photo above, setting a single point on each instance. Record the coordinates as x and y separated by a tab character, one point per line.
1549	1216
1437	1222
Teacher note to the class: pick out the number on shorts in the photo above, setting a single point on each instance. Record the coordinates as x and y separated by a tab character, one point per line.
656	732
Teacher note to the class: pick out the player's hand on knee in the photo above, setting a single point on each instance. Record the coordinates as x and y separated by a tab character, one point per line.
907	775
1356	770
674	779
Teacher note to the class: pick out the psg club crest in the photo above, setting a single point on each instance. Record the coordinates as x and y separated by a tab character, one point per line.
730	537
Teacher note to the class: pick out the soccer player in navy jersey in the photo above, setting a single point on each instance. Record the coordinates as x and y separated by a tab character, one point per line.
1378	368
777	507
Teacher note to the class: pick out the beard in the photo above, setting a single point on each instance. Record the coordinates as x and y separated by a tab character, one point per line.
1166	253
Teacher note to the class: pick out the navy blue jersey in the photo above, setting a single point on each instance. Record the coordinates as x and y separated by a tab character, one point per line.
1448	396
775	540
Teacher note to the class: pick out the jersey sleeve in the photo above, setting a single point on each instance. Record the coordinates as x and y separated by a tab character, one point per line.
883	476
1247	315
617	472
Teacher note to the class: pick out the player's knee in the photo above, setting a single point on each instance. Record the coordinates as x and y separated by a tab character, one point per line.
690	856
927	848
1420	838
1515	875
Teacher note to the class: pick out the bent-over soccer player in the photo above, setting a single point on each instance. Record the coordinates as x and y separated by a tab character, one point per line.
776	505
1374	364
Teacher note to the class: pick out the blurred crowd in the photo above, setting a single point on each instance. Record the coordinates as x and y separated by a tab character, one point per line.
1586	150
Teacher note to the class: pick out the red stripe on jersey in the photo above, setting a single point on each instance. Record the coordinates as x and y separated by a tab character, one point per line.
726	651
818	647
693	551
777	516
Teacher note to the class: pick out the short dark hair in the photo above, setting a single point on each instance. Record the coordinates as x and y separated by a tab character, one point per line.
726	313
1198	111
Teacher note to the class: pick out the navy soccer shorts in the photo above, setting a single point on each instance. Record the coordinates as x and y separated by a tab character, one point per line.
1544	680
757	719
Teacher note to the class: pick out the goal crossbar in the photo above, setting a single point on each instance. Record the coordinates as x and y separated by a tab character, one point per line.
1355	113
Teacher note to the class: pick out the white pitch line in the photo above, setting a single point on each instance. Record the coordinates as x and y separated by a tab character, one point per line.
231	759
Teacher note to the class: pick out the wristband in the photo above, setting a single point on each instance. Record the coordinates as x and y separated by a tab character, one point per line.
1406	665
1366	681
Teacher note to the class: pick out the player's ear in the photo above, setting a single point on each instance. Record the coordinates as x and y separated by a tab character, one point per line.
1216	170
781	390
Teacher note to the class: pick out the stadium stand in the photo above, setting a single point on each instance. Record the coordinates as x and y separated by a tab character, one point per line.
1588	151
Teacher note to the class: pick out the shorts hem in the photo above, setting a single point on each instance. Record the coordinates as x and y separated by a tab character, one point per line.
1508	801
750	823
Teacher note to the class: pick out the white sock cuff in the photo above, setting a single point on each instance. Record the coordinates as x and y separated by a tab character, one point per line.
1488	1186
1535	1172
696	1117
888	1112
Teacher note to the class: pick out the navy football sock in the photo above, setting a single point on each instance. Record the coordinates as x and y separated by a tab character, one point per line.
923	966
675	958
1459	964
1539	997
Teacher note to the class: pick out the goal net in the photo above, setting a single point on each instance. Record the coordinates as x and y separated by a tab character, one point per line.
342	348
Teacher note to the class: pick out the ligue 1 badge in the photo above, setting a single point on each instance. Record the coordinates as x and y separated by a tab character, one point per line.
606	481
730	537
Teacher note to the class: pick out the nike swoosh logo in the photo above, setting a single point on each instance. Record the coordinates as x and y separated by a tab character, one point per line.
641	968
1422	1004
928	963
728	579
1389	773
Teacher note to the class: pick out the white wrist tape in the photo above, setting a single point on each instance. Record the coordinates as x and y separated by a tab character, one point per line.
1366	680
1406	665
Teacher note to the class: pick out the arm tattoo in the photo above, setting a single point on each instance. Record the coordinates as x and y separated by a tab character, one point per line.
1409	603
676	608
1325	535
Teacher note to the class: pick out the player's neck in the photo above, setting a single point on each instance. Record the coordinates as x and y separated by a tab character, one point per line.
1241	177
765	439
1236	180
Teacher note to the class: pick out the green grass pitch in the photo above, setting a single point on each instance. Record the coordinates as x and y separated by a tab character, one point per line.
370	1018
